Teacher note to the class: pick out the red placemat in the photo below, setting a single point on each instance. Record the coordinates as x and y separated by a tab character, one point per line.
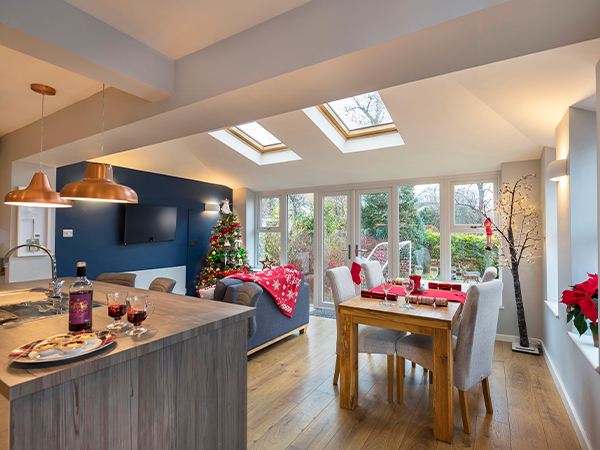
453	296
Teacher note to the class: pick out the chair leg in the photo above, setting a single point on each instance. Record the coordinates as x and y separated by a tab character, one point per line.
430	377
464	410
400	369
390	378
336	374
486	396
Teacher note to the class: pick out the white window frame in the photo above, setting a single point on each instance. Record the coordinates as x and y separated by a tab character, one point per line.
281	229
447	226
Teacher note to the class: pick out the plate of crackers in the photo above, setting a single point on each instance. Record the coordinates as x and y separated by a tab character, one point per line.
62	346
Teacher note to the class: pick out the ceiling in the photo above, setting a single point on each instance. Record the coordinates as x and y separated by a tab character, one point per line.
181	27
469	85
20	105
468	121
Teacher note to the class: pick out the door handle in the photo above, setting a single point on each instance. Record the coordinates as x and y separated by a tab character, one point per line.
358	250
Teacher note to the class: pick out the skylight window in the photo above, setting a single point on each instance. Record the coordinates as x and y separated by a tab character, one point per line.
257	137
359	116
259	134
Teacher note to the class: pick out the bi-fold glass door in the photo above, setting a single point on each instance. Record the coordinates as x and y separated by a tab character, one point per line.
352	224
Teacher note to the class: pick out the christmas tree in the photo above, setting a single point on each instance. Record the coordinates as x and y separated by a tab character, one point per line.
225	254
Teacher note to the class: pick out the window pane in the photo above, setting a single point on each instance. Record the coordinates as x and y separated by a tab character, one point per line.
301	234
471	201
269	244
335	243
469	256
269	212
259	134
361	111
374	229
419	229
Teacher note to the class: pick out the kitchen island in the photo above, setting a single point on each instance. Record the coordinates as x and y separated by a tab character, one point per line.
181	385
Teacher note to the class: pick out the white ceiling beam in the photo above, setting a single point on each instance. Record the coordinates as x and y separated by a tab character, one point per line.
58	33
257	89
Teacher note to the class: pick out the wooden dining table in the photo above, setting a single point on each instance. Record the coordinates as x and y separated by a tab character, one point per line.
425	319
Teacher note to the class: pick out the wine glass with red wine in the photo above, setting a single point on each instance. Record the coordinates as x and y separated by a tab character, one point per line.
117	308
137	312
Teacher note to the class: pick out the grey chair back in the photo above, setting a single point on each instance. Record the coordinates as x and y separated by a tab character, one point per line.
122	279
162	284
373	273
476	335
342	289
490	274
248	295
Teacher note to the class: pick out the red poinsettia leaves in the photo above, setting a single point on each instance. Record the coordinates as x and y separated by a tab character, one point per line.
588	308
573	297
590	286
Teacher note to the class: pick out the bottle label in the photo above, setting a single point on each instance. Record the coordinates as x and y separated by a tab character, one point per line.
80	308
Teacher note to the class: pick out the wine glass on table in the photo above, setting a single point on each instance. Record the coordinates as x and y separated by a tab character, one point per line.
386	286
433	271
117	308
418	270
137	312
408	286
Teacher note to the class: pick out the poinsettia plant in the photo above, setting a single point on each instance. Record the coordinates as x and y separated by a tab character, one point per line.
582	304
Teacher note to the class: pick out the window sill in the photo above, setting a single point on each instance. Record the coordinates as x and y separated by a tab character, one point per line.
586	345
553	306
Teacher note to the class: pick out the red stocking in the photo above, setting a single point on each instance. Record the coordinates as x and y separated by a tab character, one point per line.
355	272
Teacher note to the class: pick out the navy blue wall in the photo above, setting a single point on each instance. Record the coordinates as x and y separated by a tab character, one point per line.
98	229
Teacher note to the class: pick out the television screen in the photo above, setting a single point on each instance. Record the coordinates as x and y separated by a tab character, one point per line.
145	223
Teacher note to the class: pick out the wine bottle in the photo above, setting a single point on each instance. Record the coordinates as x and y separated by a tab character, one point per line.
80	301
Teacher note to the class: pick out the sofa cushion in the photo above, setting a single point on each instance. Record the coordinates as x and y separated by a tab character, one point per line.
222	285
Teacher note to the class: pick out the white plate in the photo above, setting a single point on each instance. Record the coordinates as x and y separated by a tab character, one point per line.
26	354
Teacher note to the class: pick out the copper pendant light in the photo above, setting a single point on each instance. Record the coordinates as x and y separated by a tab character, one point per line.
39	193
98	184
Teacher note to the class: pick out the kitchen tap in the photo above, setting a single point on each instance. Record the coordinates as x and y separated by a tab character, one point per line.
55	286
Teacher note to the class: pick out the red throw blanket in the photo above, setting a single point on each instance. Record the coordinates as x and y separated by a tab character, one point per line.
283	283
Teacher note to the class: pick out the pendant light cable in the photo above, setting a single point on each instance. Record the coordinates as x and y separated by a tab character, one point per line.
42	140
102	139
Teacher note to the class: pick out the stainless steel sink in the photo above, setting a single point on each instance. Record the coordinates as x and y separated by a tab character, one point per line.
32	304
22	296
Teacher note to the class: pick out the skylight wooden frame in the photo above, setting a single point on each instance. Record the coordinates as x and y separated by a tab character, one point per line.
234	131
347	134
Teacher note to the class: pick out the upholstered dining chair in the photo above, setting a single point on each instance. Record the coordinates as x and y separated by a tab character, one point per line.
122	279
376	340
162	284
473	348
490	274
373	273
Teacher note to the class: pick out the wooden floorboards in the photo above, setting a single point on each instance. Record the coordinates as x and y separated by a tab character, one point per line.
293	405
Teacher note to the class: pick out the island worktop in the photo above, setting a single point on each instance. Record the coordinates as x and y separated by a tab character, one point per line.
185	379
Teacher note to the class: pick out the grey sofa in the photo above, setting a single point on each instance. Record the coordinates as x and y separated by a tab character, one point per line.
271	324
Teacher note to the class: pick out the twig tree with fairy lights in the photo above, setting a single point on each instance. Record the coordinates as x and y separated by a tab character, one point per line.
520	237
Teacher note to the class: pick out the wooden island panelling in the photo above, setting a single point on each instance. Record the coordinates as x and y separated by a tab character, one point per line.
181	385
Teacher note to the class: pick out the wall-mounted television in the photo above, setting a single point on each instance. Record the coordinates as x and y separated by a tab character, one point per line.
145	223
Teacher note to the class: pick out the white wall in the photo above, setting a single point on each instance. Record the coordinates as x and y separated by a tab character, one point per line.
583	193
30	267
575	375
243	208
529	274
549	227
